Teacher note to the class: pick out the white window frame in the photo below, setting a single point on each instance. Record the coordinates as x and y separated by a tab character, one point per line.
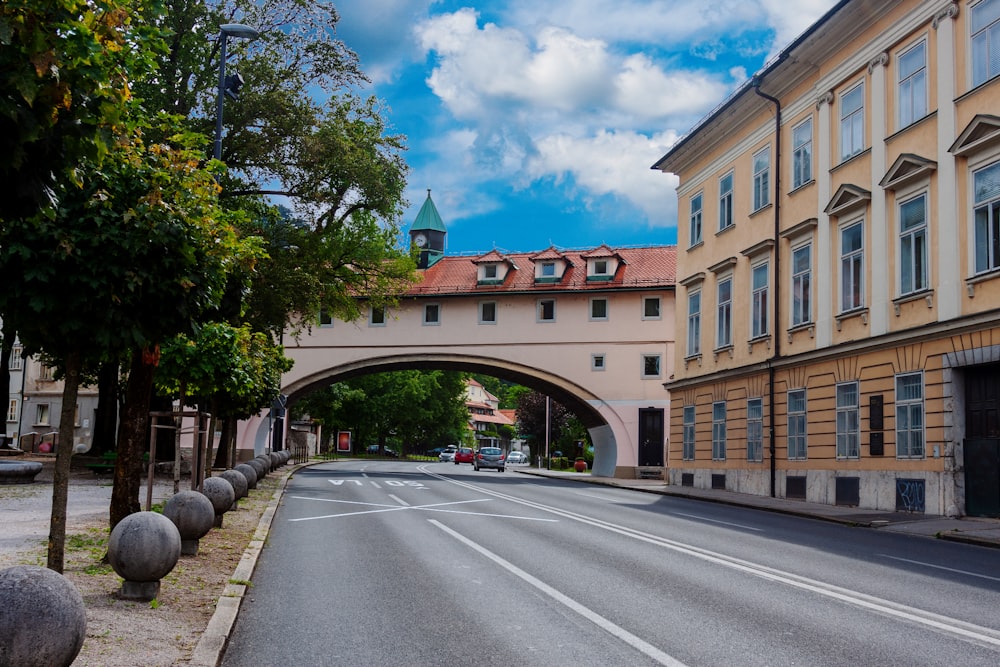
688	433
13	406
598	362
726	186
802	154
852	268
724	312
43	412
694	323
852	123
719	431
695	220
542	306
801	292
986	219
848	397
547	270
654	360
762	178
46	372
984	40
325	318
647	303
16	362
910	436
483	307
490	272
601	267
911	86
432	315
755	430
376	316
913	251
594	300
798	422
760	295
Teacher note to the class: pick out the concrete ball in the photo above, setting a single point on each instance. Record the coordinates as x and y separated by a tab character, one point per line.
220	492
238	481
275	460
144	546
249	473
258	465
192	513
43	620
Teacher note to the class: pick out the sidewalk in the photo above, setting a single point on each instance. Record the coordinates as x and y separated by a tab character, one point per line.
981	531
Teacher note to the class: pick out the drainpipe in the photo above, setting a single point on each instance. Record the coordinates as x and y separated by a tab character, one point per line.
777	276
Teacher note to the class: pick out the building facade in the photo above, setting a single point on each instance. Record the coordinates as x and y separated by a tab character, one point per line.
839	267
485	416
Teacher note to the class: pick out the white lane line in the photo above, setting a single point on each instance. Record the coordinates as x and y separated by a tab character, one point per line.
941	567
592	616
724	523
375	484
399	500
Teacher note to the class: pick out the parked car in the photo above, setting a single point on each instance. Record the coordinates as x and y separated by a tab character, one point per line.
517	457
434	452
489	457
447	454
373	449
464	455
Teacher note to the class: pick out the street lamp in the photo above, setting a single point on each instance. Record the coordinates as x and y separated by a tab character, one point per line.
232	86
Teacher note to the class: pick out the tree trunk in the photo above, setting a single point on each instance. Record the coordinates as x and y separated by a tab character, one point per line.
132	436
64	454
106	416
6	347
222	459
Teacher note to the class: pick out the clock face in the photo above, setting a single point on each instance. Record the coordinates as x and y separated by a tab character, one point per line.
420	240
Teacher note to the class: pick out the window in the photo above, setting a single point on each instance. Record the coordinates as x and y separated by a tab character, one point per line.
910	416
852	122
724	318
687	438
650	366
802	149
913	245
758	300
987	218
600	267
599	309
651	308
755	429
487	312
912	102
432	314
548	269
12	410
762	179
546	310
985	25
694	228
325	318
16	358
797	425
852	256
42	414
597	362
376	316
489	272
694	324
726	201
848	423
802	285
719	431
45	372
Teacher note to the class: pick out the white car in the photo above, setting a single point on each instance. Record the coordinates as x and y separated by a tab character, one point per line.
517	457
448	454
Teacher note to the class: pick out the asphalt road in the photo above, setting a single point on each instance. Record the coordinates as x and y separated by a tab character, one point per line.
394	563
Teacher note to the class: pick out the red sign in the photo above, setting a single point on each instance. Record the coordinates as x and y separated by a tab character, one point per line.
343	441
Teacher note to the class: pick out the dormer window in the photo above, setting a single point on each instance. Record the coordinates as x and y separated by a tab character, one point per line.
548	270
490	272
600	267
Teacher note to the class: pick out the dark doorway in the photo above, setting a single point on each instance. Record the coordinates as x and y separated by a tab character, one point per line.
651	437
982	444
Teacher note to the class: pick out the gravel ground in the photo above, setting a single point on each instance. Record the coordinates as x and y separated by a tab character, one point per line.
163	632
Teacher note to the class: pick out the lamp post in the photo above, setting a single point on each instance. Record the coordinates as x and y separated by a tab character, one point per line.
227	30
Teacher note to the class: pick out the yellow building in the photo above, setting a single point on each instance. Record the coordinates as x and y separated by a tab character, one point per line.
838	268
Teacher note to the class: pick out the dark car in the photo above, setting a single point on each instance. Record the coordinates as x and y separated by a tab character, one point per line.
373	449
464	455
489	457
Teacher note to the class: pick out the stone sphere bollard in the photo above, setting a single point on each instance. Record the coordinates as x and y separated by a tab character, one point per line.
19	472
43	620
239	483
143	548
265	460
249	473
194	515
275	460
222	495
258	465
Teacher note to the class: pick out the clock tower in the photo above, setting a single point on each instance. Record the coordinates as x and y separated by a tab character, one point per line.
428	234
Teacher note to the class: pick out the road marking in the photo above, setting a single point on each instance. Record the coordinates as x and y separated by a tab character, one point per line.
724	523
952	626
399	500
435	507
592	616
941	567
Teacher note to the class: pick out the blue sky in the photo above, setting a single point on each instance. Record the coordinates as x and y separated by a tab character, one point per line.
535	122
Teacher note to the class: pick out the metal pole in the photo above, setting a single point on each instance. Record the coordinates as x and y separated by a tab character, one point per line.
217	153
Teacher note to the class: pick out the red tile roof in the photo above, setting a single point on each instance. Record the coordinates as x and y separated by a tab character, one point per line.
641	268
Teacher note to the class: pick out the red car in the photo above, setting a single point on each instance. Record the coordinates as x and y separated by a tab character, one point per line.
464	455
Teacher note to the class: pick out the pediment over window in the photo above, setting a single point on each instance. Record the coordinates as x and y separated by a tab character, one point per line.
981	132
906	169
758	249
493	268
847	198
693	279
725	265
602	263
550	265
